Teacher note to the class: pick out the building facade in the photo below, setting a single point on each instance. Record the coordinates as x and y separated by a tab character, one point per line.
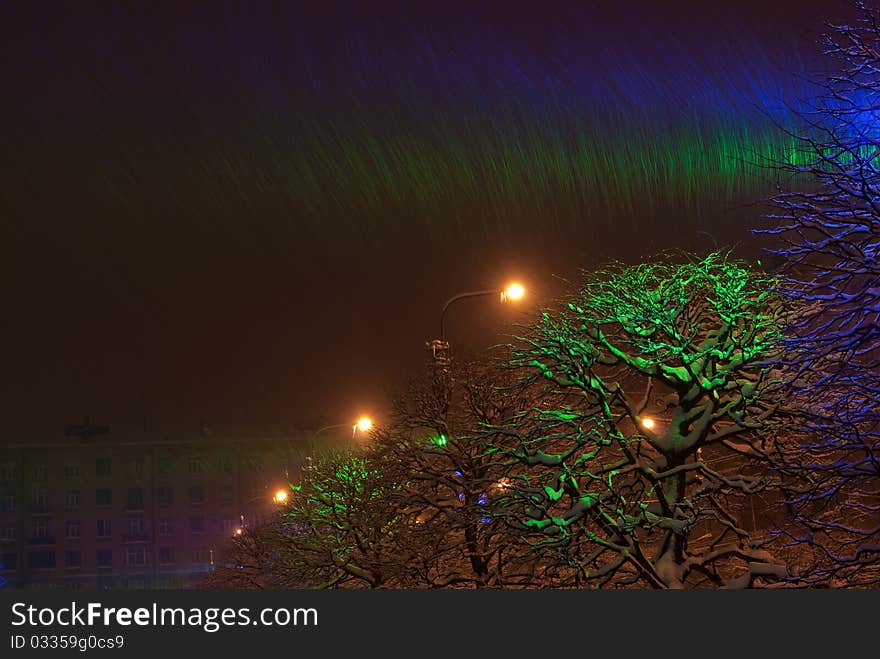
113	513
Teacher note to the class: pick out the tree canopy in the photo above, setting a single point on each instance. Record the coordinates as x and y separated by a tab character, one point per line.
658	396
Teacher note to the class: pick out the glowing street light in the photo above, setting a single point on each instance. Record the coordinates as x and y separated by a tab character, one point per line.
279	497
363	424
647	423
513	292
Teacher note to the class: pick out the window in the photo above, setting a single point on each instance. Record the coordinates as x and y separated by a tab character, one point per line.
41	560
166	527
72	529
8	533
72	559
103	498
255	463
166	555
195	464
225	494
104	557
41	501
104	528
197	495
8	472
197	524
103	467
40	527
40	473
136	468
8	561
225	464
200	556
136	525
135	499
105	583
7	503
71	472
163	465
71	500
136	555
165	495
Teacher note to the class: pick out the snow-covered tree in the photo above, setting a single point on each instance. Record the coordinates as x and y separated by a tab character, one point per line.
827	220
437	441
259	557
342	529
657	406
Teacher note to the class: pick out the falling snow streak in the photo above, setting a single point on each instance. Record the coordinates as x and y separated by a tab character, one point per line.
435	140
527	167
363	130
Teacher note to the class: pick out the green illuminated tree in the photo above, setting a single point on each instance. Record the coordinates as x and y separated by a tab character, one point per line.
658	406
340	523
339	528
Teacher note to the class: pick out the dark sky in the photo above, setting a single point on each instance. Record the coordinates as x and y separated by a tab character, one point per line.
253	215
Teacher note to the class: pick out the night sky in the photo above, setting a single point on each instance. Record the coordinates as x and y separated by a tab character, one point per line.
253	215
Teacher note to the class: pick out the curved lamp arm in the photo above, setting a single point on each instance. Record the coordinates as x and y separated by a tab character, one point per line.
333	427
462	296
354	428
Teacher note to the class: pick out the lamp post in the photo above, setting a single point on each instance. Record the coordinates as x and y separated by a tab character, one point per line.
279	498
440	346
363	424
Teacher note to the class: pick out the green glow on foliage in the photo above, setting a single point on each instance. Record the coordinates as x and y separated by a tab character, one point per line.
701	330
353	473
552	494
589	500
440	440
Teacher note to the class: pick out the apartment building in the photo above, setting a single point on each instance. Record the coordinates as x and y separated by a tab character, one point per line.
108	512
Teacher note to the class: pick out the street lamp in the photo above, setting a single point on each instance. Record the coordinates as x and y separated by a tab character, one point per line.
514	291
363	424
279	498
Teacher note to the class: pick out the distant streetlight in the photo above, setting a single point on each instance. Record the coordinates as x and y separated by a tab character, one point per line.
647	423
363	424
513	292
279	497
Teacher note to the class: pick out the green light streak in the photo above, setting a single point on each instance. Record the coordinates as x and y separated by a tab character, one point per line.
534	169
